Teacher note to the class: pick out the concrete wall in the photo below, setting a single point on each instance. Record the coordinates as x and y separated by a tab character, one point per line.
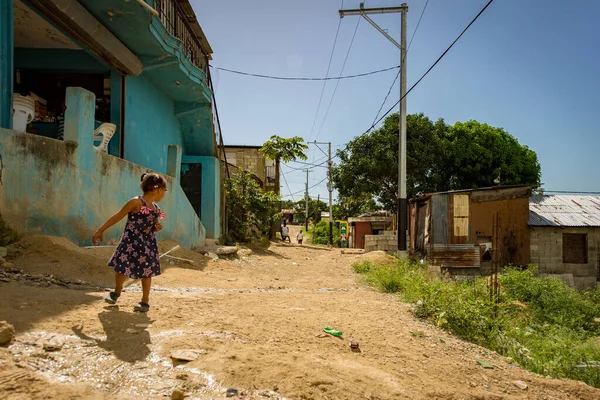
547	253
150	124
69	189
248	159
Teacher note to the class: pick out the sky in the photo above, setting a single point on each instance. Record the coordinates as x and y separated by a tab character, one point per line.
528	66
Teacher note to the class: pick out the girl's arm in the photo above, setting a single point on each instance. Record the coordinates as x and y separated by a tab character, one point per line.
127	208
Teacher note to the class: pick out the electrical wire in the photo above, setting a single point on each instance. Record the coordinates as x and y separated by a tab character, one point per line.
288	187
398	74
338	82
310	187
427	72
287	78
326	76
417	27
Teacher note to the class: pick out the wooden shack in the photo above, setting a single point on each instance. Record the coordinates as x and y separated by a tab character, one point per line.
465	231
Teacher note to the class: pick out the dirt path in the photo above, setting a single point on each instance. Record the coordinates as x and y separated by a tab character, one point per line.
254	322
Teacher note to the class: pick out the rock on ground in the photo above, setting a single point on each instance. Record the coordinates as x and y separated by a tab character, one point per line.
7	333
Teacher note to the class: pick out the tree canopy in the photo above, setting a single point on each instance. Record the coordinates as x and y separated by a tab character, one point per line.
440	157
282	149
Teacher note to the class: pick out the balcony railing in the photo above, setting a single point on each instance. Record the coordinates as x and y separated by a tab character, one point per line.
177	24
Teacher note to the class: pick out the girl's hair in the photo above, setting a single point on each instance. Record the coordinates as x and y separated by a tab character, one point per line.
152	181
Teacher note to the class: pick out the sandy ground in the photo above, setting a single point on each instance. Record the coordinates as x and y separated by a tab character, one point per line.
253	321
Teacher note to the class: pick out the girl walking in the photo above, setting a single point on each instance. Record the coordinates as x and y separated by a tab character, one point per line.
137	256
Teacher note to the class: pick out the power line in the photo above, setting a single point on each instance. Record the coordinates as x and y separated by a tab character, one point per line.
311	187
417	27
311	164
338	82
287	78
326	75
427	72
288	187
398	74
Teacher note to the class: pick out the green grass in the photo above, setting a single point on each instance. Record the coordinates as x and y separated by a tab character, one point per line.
539	322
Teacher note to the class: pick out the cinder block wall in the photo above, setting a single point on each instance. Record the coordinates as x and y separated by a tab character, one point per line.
547	253
385	241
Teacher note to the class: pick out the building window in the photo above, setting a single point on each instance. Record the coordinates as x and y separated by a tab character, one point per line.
575	248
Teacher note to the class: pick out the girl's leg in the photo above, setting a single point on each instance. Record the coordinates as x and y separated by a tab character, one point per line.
119	281
112	297
146	283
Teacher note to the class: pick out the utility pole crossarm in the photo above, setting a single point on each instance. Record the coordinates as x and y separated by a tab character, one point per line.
380	10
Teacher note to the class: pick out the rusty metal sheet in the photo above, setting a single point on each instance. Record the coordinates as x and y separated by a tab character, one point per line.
439	215
455	255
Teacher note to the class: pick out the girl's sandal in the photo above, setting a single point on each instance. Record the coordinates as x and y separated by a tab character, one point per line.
112	297
142	307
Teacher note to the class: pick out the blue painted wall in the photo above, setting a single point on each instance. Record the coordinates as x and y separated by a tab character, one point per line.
150	124
211	193
6	62
67	188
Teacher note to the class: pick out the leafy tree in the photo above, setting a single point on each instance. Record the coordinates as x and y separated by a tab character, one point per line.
354	206
286	150
250	211
315	207
439	157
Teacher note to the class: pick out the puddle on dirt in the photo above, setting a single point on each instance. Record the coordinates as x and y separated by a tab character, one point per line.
127	364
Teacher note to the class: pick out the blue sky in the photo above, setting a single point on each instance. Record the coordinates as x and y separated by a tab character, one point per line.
528	66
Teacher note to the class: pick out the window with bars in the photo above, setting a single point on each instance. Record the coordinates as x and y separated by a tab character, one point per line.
575	248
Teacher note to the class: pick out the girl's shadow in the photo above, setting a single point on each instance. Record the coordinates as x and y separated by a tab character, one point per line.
127	335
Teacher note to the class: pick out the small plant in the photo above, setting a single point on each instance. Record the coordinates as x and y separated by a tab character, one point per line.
7	234
362	267
417	334
541	323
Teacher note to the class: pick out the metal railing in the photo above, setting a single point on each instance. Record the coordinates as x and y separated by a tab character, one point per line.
175	21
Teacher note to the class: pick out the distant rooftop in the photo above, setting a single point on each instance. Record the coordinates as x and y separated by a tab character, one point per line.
560	211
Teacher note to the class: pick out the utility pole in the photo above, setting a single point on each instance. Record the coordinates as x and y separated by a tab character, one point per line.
329	188
316	217
402	201
306	196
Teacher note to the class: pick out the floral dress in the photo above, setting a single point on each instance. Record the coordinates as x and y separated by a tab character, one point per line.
137	254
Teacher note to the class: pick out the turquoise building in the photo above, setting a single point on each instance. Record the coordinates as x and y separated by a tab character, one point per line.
140	65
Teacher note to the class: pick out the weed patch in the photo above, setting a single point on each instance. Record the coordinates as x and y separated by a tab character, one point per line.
544	325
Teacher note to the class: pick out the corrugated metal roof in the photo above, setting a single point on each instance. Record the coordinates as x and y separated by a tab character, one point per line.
580	211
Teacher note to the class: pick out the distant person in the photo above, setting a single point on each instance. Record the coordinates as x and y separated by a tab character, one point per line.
300	237
285	233
137	256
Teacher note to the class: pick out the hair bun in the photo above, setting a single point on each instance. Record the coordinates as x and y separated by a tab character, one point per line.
143	176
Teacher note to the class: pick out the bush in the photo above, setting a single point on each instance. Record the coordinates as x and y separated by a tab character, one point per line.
250	212
321	233
546	326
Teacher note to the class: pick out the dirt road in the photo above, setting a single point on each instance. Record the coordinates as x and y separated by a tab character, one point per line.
254	323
